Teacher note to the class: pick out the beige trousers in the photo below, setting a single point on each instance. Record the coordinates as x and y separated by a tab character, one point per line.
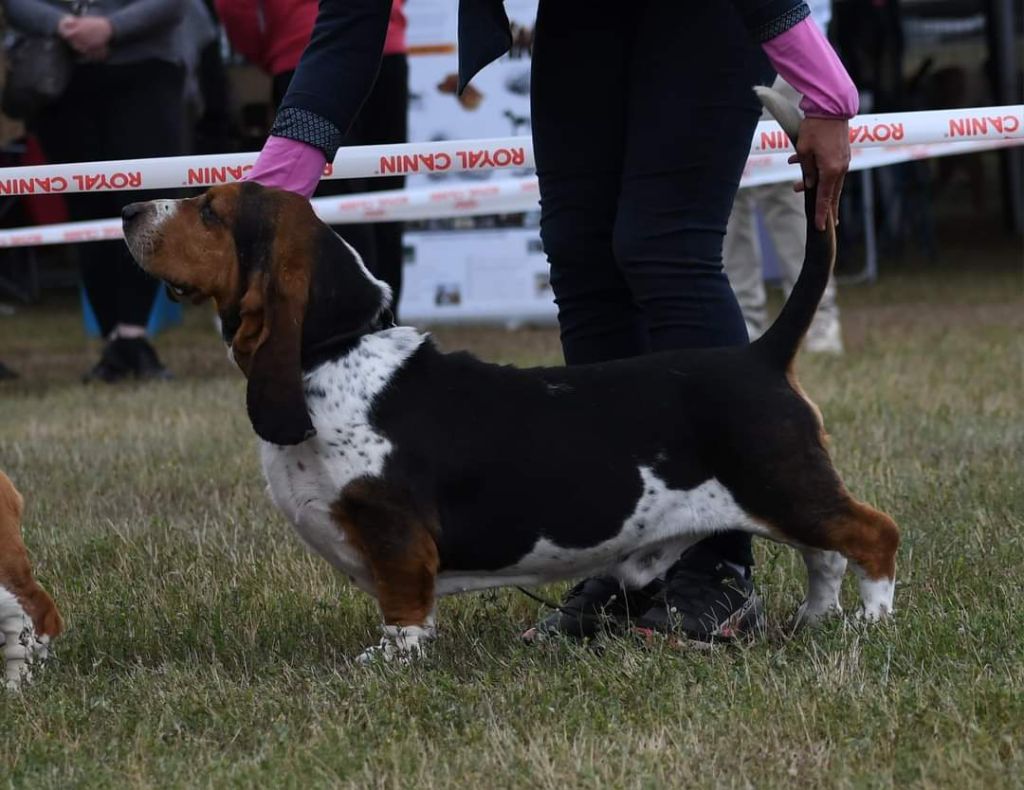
783	212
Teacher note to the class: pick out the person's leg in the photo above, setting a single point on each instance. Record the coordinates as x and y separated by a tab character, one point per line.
71	130
741	258
384	118
144	119
141	114
577	113
578	101
692	115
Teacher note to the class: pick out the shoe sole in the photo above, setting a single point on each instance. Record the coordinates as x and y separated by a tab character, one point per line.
747	622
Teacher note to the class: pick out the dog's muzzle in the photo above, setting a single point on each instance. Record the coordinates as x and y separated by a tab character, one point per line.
137	230
131	212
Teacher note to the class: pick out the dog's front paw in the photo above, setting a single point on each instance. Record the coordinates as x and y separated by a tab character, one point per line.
873	613
810	616
403	644
876	597
22	650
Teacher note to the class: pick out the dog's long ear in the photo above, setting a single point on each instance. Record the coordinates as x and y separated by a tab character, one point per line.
272	232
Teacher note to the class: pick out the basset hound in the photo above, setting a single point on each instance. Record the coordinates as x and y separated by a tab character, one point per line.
420	474
28	617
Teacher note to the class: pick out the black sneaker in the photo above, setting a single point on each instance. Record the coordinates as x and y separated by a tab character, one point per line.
127	357
114	364
6	373
598	603
706	599
144	361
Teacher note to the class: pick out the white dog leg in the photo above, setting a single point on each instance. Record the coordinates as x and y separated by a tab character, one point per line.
875	595
825	571
19	645
399	643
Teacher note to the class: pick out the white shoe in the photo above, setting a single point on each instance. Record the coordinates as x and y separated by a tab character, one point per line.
824	336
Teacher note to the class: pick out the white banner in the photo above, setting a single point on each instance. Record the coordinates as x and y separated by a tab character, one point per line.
453	156
505	196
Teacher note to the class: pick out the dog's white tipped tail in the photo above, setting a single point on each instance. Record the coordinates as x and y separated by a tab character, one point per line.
782	109
780	342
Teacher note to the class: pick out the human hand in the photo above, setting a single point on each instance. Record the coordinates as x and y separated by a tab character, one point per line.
823	151
87	35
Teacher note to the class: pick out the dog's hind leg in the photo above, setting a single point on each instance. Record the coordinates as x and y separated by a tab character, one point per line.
398	545
869	539
825	571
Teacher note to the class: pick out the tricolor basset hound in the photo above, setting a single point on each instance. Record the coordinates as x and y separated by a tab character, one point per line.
28	617
420	474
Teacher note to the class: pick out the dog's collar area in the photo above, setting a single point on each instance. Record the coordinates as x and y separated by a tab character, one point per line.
332	347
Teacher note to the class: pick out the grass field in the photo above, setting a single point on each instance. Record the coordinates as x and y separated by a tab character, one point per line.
207	648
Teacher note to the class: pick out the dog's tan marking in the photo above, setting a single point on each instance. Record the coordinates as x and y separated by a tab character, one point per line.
867	537
15	570
398	545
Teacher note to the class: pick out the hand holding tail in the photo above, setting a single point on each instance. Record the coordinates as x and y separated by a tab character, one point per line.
822	150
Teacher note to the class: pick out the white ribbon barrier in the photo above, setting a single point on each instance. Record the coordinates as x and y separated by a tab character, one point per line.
506	196
454	156
770	169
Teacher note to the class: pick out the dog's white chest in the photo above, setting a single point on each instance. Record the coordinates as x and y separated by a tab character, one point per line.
306	480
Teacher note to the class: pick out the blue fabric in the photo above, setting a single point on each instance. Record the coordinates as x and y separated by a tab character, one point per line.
164	314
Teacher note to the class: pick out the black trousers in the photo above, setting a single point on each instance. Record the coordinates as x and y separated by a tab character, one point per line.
114	112
384	118
642	118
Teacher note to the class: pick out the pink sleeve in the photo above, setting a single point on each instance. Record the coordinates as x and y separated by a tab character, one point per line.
804	58
288	164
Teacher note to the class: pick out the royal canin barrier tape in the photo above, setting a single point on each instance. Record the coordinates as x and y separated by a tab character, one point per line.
453	156
506	196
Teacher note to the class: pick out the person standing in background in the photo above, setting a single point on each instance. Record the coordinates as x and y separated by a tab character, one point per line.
272	34
124	101
783	212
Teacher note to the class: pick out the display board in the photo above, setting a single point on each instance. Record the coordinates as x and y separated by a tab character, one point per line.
481	269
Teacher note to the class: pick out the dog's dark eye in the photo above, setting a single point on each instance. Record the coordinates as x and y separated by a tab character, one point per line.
206	214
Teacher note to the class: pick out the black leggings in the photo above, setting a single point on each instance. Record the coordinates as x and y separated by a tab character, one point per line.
642	119
383	118
114	112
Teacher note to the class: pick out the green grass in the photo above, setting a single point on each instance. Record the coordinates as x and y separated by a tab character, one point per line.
207	648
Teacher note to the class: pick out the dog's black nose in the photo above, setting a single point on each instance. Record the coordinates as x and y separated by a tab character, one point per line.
131	211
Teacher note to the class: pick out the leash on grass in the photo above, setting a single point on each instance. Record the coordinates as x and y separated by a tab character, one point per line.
546	602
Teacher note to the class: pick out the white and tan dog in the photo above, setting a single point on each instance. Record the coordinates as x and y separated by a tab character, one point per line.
28	617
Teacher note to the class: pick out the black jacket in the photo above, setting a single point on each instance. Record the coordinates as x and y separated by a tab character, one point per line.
338	68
